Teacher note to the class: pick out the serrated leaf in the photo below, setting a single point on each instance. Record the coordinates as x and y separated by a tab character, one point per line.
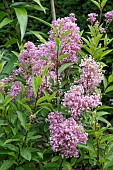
22	17
63	67
5	21
25	153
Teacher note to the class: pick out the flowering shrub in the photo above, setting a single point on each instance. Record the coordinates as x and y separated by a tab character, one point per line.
52	110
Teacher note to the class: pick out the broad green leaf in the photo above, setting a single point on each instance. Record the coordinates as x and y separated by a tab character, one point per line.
103	3
66	166
96	3
51	166
22	17
5	22
62	56
109	89
38	81
38	36
7	164
10	65
25	153
110	78
22	118
63	67
38	2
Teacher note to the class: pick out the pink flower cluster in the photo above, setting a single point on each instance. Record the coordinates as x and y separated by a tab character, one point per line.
30	60
92	17
65	135
109	16
68	33
83	97
91	75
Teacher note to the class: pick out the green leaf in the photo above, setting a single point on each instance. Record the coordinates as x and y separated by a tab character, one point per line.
40	100
103	120
10	42
110	78
107	137
62	56
25	106
51	166
66	33
7	164
10	65
102	113
35	88
103	3
110	88
96	3
57	40
38	2
25	153
19	168
38	36
38	81
103	107
105	82
105	53
88	148
5	21
22	17
44	22
11	140
63	67
22	118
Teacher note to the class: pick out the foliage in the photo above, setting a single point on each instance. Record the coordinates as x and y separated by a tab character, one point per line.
53	113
